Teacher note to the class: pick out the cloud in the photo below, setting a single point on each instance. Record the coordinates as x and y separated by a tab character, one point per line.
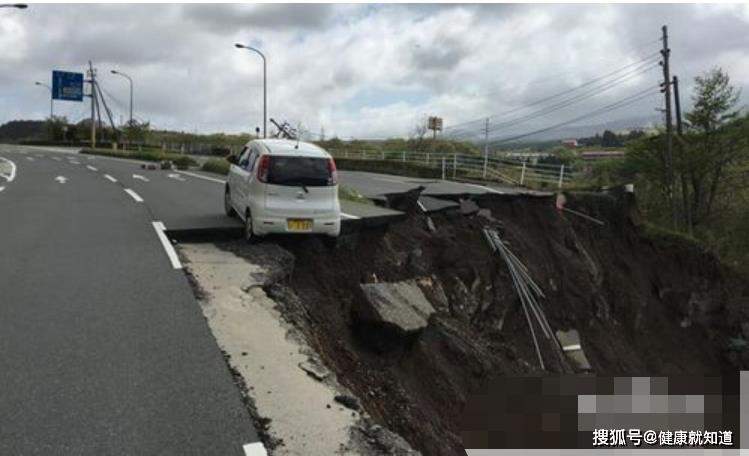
359	70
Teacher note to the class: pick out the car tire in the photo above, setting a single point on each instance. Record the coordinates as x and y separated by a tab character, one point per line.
249	231
227	204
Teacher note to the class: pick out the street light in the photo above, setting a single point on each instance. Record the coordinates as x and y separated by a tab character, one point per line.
265	86
51	100
131	92
14	5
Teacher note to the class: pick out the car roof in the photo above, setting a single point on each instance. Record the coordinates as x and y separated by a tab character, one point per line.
291	147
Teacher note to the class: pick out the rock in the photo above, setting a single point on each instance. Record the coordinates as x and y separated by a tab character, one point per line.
400	305
347	401
487	214
314	370
570	342
434	292
468	207
430	225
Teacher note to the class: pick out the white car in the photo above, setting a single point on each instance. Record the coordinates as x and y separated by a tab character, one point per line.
284	186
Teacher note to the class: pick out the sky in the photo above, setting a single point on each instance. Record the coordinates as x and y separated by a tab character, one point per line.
366	70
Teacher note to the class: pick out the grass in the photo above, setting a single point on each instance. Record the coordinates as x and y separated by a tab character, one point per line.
670	238
217	166
179	160
350	194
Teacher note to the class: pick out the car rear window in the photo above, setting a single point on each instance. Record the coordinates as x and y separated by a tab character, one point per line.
312	172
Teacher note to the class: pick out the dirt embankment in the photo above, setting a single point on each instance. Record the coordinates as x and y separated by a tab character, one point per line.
642	304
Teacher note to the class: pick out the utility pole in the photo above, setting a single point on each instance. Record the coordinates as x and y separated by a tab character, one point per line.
92	81
666	89
680	133
486	146
677	106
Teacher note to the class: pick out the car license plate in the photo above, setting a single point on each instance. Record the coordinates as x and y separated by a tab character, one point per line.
299	224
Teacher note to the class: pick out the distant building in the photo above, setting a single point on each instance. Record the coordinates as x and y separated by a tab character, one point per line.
569	143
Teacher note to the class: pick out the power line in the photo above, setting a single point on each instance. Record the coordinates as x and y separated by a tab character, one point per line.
595	91
611	107
560	94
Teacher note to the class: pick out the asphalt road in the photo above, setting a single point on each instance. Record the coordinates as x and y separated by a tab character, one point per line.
103	348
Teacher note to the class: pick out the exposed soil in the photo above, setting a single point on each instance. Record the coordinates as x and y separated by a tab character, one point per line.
642	305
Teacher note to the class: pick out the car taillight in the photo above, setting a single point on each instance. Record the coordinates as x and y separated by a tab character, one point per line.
262	168
333	179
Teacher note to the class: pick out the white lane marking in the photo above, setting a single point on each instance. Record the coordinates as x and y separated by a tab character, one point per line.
61	179
421	206
175	176
73	162
389	180
91	168
2	188
12	173
489	189
254	449
57	158
138	176
135	196
110	178
200	176
349	216
30	159
170	252
571	347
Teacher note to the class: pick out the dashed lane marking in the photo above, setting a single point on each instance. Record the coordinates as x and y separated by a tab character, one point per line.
135	196
200	176
91	168
254	449
169	248
110	178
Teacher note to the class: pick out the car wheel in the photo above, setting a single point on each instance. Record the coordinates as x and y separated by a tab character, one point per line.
227	203
249	234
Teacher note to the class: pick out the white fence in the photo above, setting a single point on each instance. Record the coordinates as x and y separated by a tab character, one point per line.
453	166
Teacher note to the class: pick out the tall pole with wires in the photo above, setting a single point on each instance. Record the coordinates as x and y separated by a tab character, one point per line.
666	89
92	81
486	145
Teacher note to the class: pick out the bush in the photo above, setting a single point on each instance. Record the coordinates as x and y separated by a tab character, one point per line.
216	165
181	161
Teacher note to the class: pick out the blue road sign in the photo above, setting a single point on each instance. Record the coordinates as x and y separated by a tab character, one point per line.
67	86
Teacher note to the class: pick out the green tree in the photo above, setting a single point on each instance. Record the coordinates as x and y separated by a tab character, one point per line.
137	132
713	144
610	139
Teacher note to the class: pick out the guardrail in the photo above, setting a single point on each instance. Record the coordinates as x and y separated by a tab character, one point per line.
452	166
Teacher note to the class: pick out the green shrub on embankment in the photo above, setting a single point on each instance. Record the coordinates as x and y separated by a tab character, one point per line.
179	160
216	165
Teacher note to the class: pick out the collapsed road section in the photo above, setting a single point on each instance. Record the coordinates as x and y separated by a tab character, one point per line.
412	319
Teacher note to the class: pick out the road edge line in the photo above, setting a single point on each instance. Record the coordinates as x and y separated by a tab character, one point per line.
168	247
